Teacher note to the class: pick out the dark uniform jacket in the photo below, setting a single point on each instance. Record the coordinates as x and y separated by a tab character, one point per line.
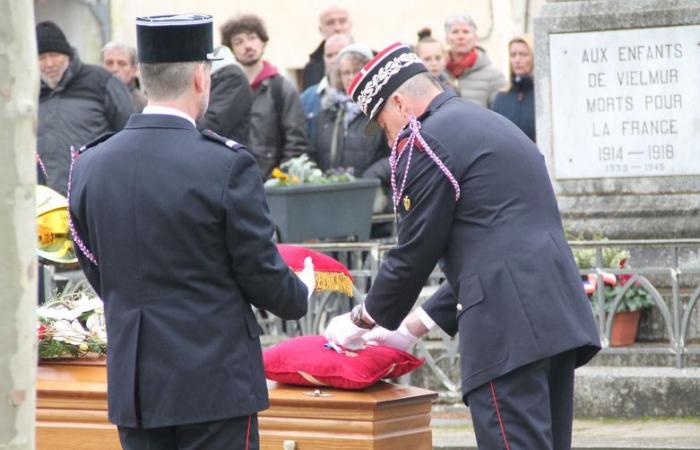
513	290
182	235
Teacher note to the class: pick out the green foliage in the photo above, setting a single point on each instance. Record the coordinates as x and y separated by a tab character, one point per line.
586	257
634	298
301	170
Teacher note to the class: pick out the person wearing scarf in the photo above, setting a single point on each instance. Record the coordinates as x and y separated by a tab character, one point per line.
340	141
468	67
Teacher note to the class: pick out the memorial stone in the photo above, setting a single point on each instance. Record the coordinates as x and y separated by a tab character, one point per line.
618	121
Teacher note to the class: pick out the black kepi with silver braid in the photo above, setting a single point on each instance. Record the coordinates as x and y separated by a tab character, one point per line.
380	77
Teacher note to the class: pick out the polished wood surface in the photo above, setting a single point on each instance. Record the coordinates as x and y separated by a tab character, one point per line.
72	414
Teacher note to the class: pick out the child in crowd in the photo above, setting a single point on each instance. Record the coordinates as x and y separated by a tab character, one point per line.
434	56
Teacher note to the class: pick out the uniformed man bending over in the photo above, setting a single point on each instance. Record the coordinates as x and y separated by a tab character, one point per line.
472	190
176	238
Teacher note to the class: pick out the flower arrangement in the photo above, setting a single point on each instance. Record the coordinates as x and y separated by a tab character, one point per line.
636	297
72	326
301	170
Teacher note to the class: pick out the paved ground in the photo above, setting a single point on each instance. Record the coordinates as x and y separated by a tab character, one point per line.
452	431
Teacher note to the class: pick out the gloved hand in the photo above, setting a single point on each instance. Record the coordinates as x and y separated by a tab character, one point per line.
401	339
308	276
343	332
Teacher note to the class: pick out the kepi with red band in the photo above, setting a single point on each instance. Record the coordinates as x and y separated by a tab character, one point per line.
380	77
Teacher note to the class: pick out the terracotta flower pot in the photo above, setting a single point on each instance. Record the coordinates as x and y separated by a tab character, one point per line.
624	328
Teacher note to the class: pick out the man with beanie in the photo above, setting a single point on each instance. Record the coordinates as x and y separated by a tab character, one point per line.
77	103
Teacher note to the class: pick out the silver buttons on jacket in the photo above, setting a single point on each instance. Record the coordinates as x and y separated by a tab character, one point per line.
459	307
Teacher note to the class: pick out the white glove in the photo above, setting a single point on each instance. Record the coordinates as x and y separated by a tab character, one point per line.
401	339
308	276
343	332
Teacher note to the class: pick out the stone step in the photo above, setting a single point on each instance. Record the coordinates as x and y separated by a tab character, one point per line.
622	390
645	355
633	392
452	430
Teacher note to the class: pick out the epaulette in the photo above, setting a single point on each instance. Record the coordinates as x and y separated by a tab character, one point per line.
99	140
230	143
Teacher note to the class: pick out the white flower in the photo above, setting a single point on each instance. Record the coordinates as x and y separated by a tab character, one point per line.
69	332
58	311
97	326
85	303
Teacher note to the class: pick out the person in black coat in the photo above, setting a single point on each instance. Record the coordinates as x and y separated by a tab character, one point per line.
517	102
339	139
332	20
473	193
175	237
230	100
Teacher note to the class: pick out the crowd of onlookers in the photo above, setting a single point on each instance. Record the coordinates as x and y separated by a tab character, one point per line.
252	103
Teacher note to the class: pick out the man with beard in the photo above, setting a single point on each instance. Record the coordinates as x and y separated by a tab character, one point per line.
77	103
175	237
277	121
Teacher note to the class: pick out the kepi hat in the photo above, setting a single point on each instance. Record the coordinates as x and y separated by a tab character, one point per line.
175	38
380	77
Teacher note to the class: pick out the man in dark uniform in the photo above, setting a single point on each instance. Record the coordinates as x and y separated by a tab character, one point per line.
472	191
175	236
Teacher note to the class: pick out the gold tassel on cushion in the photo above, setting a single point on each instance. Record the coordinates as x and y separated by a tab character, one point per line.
334	281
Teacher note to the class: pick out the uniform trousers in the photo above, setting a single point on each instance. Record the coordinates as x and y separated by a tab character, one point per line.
236	433
529	408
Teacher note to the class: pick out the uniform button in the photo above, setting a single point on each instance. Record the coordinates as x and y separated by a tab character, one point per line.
459	306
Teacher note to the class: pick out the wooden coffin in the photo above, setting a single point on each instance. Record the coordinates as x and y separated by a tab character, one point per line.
72	414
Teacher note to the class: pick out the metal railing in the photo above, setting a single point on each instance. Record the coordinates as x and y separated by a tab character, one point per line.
673	285
676	313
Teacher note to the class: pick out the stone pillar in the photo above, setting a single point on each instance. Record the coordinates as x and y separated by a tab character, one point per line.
19	82
617	114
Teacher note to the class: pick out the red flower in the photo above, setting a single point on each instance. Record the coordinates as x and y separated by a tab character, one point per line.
623	278
42	331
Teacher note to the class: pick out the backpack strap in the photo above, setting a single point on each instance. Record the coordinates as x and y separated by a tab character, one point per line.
278	102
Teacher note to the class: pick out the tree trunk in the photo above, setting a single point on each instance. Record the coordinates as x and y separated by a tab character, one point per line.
19	81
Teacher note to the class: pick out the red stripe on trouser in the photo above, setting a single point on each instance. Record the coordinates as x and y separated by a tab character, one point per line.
247	435
498	414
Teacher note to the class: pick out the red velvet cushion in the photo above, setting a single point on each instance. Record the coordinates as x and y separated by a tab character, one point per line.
305	361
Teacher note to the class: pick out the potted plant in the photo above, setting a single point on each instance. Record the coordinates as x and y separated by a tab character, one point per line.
633	298
307	204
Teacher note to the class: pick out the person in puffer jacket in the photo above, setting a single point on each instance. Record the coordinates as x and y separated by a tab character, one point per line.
77	103
468	66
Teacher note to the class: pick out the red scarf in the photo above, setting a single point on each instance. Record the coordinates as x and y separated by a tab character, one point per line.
458	66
